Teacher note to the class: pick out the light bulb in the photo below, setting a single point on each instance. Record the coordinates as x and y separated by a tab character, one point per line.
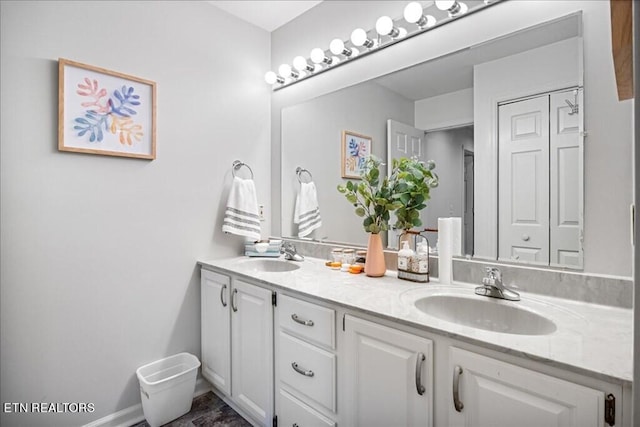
430	21
463	8
359	38
413	12
270	77
318	56
336	46
301	64
284	70
384	25
445	4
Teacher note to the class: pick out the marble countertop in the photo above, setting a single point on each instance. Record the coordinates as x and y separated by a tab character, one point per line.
590	339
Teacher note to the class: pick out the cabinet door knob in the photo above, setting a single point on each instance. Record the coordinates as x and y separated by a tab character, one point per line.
302	322
301	371
234	304
525	237
457	371
224	303
419	361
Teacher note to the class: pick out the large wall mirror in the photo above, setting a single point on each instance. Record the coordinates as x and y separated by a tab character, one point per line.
526	88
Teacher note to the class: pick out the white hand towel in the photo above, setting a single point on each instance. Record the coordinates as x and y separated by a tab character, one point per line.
242	216
307	211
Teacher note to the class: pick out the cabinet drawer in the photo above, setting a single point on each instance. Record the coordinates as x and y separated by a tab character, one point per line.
293	412
308	369
306	320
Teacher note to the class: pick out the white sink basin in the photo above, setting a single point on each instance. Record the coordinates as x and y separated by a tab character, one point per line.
271	265
485	313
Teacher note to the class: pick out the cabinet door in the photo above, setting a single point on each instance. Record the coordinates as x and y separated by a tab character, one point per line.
498	394
384	370
216	341
252	349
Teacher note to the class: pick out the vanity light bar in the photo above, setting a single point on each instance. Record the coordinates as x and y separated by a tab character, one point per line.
361	43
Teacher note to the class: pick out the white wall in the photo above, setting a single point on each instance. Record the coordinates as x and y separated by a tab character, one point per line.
608	155
446	148
99	253
444	111
312	135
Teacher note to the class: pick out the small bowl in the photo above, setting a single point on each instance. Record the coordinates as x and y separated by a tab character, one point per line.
262	247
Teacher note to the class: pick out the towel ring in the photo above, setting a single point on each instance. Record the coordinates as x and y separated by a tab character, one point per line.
237	164
300	171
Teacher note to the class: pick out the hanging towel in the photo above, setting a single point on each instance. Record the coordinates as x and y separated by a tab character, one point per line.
241	216
307	212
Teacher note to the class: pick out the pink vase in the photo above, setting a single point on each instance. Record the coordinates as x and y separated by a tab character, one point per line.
374	266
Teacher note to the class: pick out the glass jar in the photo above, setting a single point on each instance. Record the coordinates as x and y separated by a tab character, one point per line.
348	256
361	258
336	255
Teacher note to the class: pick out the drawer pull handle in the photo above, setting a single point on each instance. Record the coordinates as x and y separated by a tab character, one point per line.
224	303
419	361
302	322
457	371
234	304
301	371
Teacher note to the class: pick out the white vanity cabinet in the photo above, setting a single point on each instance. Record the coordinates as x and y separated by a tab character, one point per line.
489	392
237	343
389	376
306	364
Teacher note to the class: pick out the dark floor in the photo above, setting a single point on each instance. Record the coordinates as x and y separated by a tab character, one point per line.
207	410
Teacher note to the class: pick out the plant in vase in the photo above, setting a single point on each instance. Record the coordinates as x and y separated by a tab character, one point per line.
373	200
411	182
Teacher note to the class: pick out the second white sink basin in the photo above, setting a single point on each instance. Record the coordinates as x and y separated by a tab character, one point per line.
485	313
271	265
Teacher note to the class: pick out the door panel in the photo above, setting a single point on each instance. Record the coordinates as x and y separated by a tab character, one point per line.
523	176
252	344
498	394
216	341
381	376
566	182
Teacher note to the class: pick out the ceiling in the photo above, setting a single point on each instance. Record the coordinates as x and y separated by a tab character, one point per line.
268	15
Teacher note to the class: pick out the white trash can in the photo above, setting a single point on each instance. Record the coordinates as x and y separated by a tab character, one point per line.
167	386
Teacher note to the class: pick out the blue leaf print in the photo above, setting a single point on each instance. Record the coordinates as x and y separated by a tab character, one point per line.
125	100
354	148
92	122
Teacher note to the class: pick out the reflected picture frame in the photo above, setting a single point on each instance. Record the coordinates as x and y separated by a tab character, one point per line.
355	150
105	112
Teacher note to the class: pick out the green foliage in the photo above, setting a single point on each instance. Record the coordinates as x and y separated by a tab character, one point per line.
405	192
412	181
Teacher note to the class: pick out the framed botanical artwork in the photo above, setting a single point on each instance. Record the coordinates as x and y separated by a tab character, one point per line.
355	150
105	112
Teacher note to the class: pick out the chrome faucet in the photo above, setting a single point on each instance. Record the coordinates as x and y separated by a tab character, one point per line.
289	251
492	286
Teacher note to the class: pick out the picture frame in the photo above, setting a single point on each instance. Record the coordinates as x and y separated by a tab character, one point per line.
355	150
105	112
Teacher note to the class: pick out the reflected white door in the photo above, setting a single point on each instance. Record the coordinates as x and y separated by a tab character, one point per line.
523	177
402	141
566	151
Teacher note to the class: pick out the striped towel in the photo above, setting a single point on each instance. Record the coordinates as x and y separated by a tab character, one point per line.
307	212
241	216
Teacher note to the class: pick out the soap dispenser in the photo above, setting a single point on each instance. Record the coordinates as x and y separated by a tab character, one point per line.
405	255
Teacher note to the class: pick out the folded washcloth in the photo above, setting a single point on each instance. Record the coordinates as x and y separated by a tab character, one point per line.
242	216
307	212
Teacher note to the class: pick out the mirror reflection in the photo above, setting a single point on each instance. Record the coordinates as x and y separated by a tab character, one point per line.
433	110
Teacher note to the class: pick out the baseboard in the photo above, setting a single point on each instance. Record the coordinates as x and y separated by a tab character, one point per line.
133	414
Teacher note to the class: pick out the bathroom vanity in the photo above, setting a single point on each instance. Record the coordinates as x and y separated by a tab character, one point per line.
300	344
